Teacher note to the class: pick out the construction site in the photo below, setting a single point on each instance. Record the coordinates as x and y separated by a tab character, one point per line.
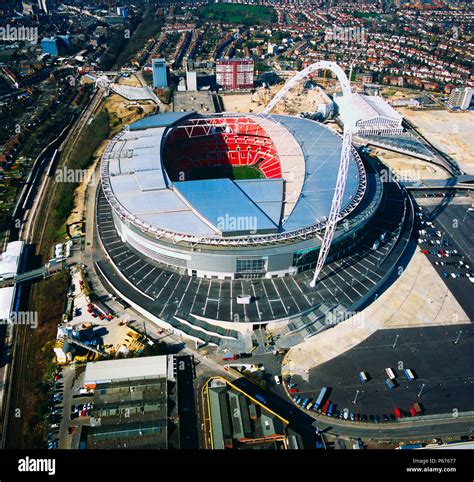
309	97
90	330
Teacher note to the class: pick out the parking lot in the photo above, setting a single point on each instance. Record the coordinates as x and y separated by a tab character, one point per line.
454	223
443	371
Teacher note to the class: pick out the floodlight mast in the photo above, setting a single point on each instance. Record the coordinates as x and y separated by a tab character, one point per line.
345	153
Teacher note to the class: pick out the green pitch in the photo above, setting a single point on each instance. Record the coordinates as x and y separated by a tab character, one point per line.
238	13
226	172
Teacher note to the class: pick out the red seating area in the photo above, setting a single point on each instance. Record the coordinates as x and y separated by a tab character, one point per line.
220	142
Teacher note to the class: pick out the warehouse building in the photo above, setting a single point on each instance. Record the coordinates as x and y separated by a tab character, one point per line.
238	422
135	403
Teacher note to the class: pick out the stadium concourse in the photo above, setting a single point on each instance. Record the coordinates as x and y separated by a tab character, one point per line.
156	215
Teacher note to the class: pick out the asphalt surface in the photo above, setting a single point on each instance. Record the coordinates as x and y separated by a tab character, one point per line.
185	374
456	224
444	372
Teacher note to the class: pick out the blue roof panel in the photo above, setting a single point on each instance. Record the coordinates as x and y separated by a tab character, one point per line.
322	151
224	205
267	194
166	119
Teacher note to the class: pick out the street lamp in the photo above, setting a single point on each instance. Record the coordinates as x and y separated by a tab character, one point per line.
395	342
355	398
465	214
457	338
421	389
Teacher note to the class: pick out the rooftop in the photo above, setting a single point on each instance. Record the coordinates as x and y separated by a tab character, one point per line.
110	371
139	188
10	259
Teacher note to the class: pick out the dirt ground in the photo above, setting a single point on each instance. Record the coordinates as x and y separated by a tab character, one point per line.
131	81
297	100
409	168
449	131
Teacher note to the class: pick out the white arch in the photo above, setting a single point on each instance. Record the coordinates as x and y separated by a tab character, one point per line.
345	153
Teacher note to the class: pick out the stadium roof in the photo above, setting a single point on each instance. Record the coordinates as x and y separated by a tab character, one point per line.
239	214
166	119
321	149
137	185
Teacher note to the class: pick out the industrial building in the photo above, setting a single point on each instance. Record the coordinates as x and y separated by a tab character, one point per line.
239	422
131	403
235	74
56	46
370	115
9	268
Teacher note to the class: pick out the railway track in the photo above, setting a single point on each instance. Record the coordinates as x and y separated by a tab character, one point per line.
23	356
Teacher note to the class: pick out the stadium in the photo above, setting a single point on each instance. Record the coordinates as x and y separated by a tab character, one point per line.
228	196
211	225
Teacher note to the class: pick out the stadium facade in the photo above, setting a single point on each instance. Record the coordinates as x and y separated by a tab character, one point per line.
172	182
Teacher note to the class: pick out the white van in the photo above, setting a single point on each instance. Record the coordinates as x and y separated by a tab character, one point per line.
277	379
244	299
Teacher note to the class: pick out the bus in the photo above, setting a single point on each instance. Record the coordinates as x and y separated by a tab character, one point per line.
363	377
390	373
330	409
409	374
389	384
320	398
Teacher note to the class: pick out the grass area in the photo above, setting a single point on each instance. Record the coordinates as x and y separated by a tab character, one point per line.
238	13
226	172
246	172
80	158
367	15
